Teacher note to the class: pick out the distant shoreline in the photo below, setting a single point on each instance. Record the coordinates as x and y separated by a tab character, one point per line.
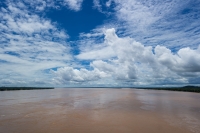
195	89
23	88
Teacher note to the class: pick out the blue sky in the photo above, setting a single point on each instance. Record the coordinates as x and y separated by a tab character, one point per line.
80	43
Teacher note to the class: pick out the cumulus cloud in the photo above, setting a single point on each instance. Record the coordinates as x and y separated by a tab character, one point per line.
69	74
186	59
132	62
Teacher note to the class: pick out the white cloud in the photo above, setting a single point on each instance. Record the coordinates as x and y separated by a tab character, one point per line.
135	13
159	22
68	74
74	4
134	63
108	3
97	54
103	6
30	45
41	5
186	59
97	5
103	66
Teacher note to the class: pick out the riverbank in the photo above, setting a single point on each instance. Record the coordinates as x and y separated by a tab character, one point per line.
23	88
185	88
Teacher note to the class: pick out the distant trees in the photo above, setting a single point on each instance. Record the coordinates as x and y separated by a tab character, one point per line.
23	88
185	88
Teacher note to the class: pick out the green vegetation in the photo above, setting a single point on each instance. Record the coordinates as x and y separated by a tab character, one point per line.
23	88
185	88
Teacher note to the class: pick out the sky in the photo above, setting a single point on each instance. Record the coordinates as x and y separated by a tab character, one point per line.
99	43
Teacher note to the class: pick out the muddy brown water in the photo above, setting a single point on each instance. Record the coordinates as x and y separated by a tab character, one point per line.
96	110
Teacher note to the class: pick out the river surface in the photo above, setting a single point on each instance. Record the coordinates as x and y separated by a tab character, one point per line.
99	110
